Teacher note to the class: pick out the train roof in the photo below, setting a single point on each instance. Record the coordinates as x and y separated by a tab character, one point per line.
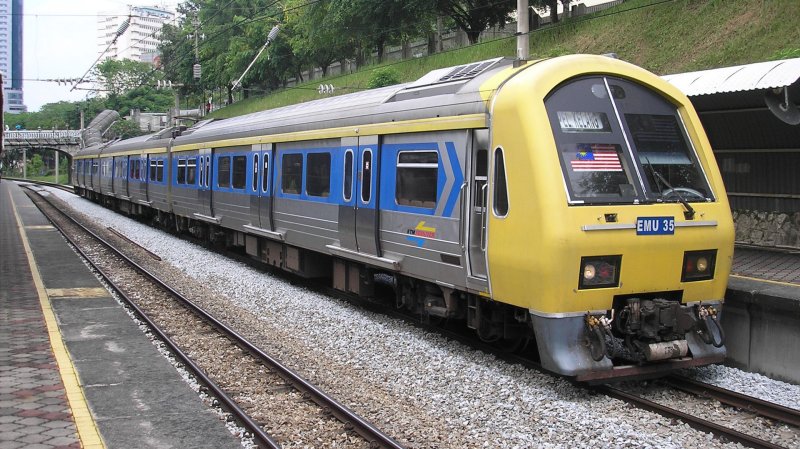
450	91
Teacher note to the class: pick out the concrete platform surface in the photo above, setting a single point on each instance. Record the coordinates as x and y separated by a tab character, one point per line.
75	371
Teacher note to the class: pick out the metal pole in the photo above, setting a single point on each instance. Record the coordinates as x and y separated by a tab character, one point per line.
522	30
57	180
24	163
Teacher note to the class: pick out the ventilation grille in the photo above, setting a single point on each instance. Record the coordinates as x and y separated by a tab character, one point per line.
467	71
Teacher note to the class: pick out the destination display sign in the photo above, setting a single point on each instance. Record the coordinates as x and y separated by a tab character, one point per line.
583	121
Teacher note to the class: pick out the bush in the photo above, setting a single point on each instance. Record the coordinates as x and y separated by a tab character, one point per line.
383	77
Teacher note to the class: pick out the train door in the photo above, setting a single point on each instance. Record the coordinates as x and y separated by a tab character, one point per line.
149	174
127	180
264	197
359	215
114	174
204	190
366	198
476	221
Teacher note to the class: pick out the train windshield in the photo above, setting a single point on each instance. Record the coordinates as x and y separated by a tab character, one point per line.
619	142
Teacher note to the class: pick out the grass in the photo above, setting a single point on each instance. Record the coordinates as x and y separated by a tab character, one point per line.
663	36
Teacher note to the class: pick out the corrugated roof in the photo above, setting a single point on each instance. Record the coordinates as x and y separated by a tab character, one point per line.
761	75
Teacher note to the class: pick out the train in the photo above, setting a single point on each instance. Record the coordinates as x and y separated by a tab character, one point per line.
571	204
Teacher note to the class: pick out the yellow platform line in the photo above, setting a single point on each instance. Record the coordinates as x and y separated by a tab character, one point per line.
789	284
84	422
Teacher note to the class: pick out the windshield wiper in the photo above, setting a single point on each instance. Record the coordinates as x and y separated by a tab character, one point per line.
689	214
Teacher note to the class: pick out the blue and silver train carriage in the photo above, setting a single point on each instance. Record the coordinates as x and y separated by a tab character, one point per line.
572	202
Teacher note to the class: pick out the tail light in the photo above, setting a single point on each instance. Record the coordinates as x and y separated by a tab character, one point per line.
698	265
599	272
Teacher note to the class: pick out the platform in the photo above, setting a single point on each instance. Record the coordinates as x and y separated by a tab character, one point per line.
75	370
761	315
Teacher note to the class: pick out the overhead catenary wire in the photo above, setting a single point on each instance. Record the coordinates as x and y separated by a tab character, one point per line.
124	26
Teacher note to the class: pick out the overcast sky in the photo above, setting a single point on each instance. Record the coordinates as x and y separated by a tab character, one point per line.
60	41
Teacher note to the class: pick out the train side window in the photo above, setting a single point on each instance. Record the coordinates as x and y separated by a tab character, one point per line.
366	176
265	174
292	173
181	171
239	172
481	176
255	173
160	170
318	176
152	170
347	190
224	171
417	176
500	185
191	170
208	171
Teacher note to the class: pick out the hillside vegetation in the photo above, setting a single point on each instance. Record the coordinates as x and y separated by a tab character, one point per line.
662	36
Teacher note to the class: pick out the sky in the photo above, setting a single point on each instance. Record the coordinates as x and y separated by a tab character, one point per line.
60	41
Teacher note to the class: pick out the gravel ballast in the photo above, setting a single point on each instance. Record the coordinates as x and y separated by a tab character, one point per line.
422	389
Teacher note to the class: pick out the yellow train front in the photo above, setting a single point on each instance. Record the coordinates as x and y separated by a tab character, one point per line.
609	221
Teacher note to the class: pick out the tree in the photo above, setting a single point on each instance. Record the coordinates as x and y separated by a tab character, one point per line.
551	5
376	23
125	129
474	16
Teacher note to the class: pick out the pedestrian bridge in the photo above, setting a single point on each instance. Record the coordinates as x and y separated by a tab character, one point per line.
66	141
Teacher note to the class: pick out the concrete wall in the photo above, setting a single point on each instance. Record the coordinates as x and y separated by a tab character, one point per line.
761	322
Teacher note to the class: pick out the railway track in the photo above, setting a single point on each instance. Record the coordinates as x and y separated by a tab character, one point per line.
153	299
721	432
754	405
64	187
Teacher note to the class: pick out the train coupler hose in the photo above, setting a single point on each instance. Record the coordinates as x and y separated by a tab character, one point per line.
706	314
596	329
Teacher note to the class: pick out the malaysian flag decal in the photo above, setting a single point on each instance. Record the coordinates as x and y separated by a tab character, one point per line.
596	157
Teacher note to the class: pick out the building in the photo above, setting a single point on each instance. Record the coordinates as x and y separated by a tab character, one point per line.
11	55
140	39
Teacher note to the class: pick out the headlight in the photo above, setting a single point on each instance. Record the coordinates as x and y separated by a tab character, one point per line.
698	265
599	272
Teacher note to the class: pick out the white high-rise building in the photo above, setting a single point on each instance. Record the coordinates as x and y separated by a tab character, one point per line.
11	55
139	41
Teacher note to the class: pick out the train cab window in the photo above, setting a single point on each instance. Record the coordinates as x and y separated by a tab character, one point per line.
366	176
239	172
318	176
224	171
191	171
417	178
618	141
500	199
347	188
181	175
292	173
255	173
265	174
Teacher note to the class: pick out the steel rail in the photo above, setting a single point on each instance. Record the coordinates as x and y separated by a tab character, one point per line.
263	439
754	405
365	429
701	424
64	187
